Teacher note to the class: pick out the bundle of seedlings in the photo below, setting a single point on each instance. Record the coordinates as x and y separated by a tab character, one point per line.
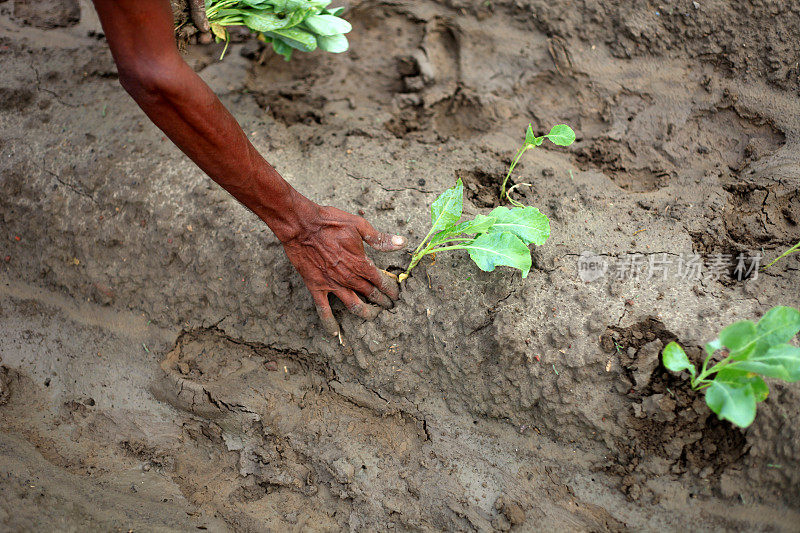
287	25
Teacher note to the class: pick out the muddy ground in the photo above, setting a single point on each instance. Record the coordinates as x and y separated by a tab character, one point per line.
162	365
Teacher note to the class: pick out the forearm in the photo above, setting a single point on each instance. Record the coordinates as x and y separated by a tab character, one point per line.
173	96
189	113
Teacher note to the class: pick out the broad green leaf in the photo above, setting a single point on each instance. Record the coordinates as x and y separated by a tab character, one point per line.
760	389
530	138
327	25
282	48
479	224
739	338
494	249
781	361
264	21
528	223
778	325
561	134
446	210
730	402
286	6
299	16
296	38
336	11
737	377
257	4
333	43
229	14
675	359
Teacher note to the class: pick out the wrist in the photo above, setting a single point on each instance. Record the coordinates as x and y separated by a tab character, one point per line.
294	218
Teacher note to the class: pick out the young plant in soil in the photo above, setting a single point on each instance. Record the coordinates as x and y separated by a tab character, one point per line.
734	385
560	134
501	238
790	251
287	24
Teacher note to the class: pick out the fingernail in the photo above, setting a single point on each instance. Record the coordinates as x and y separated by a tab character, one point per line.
397	240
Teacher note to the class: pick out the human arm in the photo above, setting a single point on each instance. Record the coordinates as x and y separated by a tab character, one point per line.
323	243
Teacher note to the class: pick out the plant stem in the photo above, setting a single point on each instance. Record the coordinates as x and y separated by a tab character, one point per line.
704	373
428	236
793	249
430	248
514	162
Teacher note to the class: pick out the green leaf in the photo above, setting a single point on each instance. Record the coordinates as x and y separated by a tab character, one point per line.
264	21
530	138
561	134
446	210
296	38
257	4
675	359
732	400
333	43
739	338
327	25
527	223
734	393
746	340
286	6
494	249
781	361
299	16
737	377
282	48
479	224
336	11
734	403
778	325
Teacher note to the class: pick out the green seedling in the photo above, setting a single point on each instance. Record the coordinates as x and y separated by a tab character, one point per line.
790	251
501	238
560	134
287	24
735	385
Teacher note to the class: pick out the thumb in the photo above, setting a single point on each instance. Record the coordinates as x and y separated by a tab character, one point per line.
383	242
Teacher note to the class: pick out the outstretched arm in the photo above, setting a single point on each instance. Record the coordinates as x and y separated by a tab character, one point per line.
323	243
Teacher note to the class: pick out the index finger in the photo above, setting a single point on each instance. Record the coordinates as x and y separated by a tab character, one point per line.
383	242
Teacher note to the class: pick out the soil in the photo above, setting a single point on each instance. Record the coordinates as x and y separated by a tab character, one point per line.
162	367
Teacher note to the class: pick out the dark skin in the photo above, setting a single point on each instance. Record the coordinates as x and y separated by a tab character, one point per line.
324	244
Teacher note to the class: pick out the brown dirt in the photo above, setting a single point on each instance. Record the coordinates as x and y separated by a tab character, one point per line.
162	366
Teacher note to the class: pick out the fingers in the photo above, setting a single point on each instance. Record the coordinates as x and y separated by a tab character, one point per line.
325	314
373	293
383	242
197	9
384	281
351	300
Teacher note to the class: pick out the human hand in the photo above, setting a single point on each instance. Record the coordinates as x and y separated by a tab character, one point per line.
329	255
197	10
